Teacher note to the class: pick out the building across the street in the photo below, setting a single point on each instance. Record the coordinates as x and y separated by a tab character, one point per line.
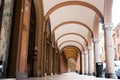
116	38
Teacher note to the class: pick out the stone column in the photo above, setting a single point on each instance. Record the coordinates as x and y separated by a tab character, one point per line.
86	63
47	58
109	51
52	53
21	71
96	53
50	60
44	52
57	63
80	71
83	67
54	61
90	61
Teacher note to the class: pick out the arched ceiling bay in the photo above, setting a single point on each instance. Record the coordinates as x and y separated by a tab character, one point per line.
95	5
71	43
70	22
65	43
72	27
71	37
72	13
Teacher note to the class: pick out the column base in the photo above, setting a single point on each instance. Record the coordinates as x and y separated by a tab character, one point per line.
45	74
51	74
110	75
94	74
21	76
3	76
54	73
80	71
85	73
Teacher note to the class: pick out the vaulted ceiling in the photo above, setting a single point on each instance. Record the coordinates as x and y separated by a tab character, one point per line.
71	52
74	21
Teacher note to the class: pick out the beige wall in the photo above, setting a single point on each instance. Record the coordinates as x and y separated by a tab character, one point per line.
63	63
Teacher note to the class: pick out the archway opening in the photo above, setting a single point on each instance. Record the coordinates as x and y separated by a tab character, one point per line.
71	64
72	59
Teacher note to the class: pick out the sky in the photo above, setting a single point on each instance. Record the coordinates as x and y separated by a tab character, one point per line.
116	12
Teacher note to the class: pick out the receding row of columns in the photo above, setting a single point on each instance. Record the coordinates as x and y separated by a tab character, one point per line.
51	54
90	59
51	62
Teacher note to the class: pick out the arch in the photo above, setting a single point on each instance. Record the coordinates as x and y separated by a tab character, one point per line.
72	34
69	46
80	3
71	22
71	53
71	41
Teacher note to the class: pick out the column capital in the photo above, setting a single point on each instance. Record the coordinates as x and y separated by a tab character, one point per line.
85	52
96	40
82	55
89	47
107	26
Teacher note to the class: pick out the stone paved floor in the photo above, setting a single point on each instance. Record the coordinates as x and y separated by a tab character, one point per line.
65	76
70	76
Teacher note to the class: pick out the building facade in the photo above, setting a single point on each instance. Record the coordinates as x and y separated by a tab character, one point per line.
116	38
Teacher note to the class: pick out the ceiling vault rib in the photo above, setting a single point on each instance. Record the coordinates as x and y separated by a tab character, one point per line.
79	50
70	48
72	34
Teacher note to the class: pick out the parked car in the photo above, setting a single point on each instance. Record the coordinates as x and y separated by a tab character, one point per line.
1	67
117	69
118	73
